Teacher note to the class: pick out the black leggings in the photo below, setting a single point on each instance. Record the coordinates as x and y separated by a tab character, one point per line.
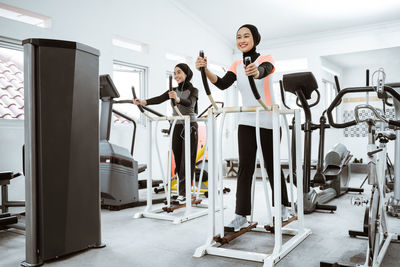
247	157
178	147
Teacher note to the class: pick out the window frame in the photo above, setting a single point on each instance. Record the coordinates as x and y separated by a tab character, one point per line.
143	80
332	94
12	44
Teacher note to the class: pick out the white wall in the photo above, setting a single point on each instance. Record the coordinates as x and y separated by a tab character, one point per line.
158	23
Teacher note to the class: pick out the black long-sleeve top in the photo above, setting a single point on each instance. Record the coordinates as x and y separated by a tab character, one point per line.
188	96
229	78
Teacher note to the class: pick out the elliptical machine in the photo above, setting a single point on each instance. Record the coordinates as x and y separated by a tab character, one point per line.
333	176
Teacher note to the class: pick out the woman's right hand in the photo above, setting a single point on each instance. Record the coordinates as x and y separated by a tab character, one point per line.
139	102
201	62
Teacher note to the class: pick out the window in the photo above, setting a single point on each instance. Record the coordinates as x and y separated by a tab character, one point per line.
25	16
125	76
11	82
330	94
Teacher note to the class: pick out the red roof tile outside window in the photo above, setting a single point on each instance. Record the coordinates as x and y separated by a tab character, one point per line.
11	84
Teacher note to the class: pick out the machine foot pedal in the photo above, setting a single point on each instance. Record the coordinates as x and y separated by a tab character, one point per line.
171	209
331	208
357	233
329	264
229	236
357	190
271	229
174	200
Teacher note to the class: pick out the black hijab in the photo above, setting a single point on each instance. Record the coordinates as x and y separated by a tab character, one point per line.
189	74
256	38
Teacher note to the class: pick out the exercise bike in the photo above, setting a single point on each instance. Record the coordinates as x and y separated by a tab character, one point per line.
375	226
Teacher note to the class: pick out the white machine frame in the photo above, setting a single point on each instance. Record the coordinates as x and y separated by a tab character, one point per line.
159	213
280	250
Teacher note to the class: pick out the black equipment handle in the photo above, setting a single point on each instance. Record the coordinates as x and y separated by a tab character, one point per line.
298	102
170	89
153	111
251	80
340	95
122	102
297	99
135	97
283	94
143	108
337	83
336	101
205	82
204	76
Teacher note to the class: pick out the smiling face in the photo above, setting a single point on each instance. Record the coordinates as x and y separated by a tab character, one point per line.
244	40
179	75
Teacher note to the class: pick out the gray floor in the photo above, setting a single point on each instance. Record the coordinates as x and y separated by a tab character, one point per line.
148	242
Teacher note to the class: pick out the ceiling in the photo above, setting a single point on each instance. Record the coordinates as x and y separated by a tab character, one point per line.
288	18
378	57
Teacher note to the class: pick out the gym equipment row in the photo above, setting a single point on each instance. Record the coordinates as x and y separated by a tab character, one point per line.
62	166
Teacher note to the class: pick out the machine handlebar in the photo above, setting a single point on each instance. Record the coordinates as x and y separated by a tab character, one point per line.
251	80
203	76
338	98
143	108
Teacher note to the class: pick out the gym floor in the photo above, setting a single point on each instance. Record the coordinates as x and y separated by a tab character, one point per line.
149	242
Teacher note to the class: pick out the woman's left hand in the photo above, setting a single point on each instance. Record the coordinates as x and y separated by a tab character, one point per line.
252	70
172	95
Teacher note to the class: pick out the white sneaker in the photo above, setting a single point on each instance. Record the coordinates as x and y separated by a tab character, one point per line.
285	214
237	223
181	199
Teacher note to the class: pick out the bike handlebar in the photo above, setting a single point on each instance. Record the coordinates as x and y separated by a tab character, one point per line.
340	95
